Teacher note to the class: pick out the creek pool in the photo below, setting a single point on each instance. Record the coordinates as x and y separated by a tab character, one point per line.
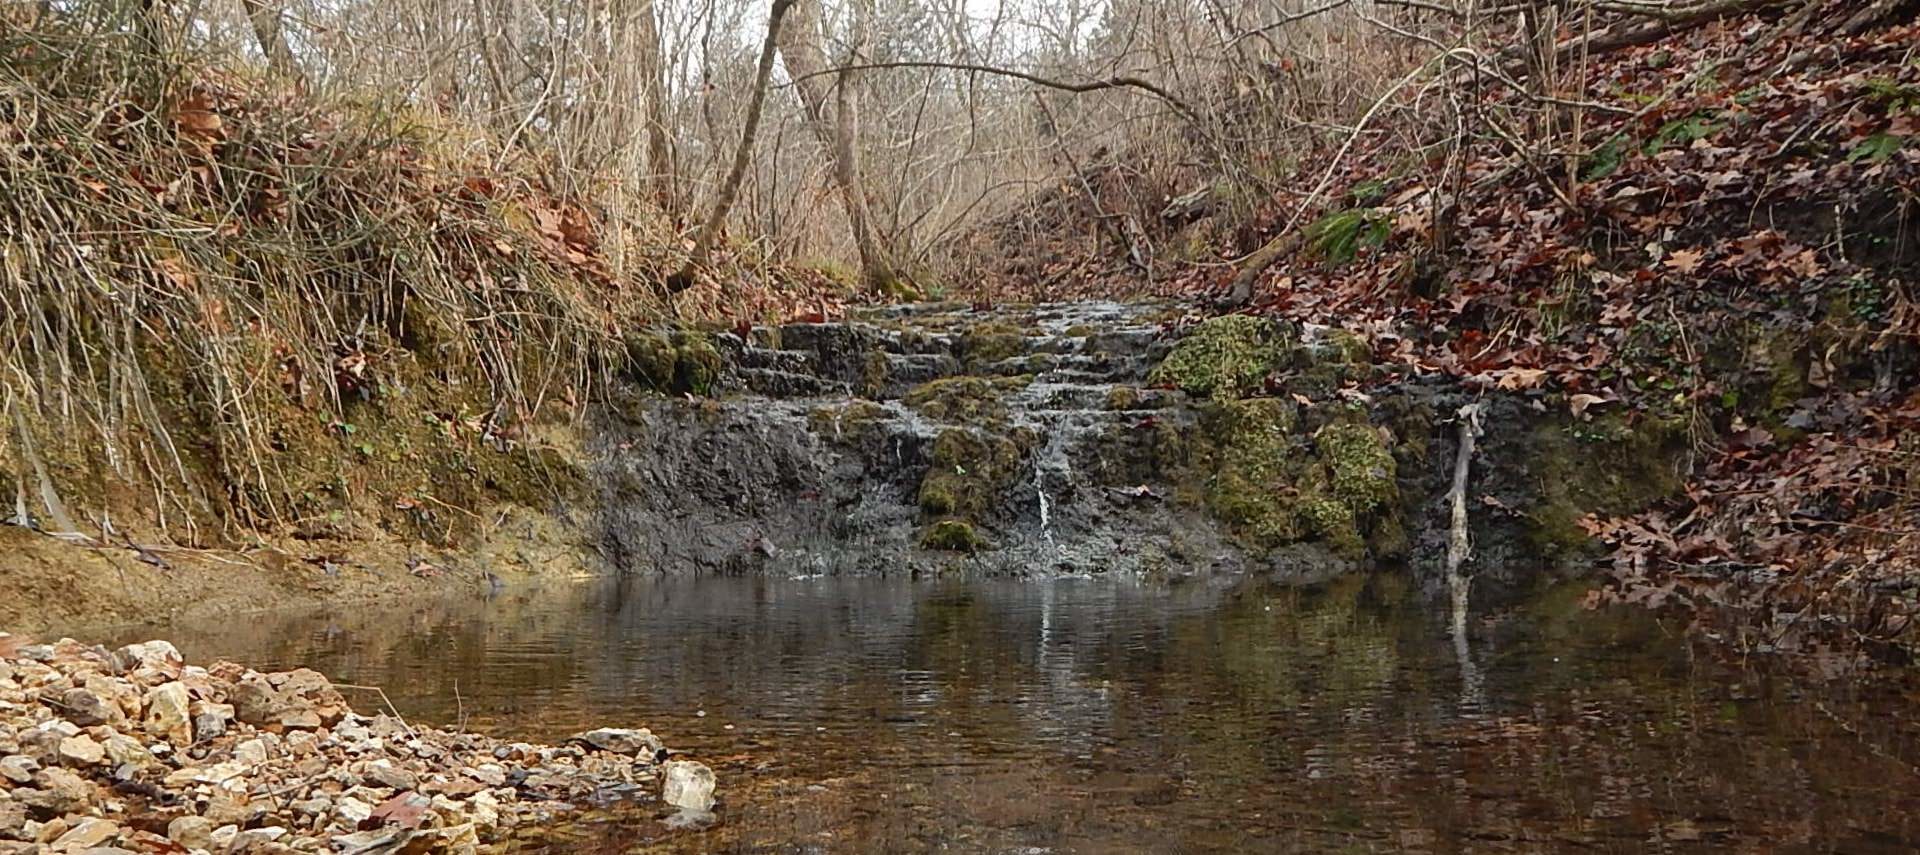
1070	716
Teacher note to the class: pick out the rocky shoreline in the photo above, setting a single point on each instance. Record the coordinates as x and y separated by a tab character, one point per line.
133	750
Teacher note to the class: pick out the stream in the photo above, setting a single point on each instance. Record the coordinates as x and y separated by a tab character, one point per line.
1099	715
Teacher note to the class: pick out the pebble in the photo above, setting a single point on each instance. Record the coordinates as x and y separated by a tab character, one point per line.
100	750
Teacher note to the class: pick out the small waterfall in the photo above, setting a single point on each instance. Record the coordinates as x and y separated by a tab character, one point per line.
1046	504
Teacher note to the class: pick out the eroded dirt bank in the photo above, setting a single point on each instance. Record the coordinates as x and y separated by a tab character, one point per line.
52	585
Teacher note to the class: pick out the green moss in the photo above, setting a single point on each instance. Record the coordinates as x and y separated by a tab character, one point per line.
1333	521
1609	467
1274	489
698	366
965	398
1348	347
1225	357
1123	398
952	536
679	362
651	359
992	341
851	420
1257	468
968	468
1080	331
898	289
1359	465
874	371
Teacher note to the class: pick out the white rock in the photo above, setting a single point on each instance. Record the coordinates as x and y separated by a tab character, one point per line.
687	785
18	768
352	810
222	837
252	752
192	832
81	750
166	714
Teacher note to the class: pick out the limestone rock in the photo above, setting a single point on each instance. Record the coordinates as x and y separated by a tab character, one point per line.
81	750
86	834
192	832
640	742
148	663
18	768
13	819
84	708
166	714
687	785
123	750
298	699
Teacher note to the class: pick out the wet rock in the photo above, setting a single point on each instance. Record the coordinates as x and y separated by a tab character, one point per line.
688	785
166	714
640	742
293	699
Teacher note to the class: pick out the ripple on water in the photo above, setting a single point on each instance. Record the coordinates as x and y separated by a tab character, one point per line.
1088	716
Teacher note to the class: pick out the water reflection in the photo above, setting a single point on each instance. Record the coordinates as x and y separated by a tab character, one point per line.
1079	716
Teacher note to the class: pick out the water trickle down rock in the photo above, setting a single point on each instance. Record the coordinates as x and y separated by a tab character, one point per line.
1051	439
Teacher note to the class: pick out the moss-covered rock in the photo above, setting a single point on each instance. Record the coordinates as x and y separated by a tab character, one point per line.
965	398
1608	467
674	362
991	341
874	372
1225	357
1276	485
952	536
852	420
968	469
1359	465
699	365
651	359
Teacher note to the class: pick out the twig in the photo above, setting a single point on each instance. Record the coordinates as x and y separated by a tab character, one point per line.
395	711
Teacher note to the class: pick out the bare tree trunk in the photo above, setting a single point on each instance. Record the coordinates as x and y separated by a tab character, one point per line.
269	27
662	175
682	279
807	63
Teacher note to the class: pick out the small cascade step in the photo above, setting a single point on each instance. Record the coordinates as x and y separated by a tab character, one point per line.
795	361
775	383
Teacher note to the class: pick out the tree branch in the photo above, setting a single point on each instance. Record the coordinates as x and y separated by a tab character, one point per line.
1115	82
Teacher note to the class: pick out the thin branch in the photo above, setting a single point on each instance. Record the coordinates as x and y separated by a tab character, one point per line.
1115	82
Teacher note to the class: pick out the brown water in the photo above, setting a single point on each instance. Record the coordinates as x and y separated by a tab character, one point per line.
1091	716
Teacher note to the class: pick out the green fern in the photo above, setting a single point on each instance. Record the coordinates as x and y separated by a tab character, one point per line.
1339	236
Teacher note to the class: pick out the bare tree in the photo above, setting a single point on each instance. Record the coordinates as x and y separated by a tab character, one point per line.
716	223
838	129
269	29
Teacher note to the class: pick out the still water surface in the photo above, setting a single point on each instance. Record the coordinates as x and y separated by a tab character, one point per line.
1092	716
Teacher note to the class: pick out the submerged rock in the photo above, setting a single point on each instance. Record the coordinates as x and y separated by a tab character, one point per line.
640	742
688	785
